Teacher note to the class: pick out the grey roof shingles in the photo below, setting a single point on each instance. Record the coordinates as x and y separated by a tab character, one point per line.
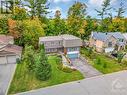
104	36
60	37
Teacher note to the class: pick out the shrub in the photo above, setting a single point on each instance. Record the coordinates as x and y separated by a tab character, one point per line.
58	60
18	61
64	68
104	65
98	61
120	57
124	63
67	70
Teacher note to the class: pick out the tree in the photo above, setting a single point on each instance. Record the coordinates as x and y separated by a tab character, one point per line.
57	14
13	28
118	24
19	13
88	26
43	69
33	29
105	7
103	13
56	26
3	26
120	11
75	18
41	7
28	57
37	7
32	6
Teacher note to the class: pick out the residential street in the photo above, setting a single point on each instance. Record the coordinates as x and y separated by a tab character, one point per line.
110	84
6	75
86	69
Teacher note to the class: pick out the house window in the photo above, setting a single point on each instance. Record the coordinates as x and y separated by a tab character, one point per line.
59	43
52	43
110	44
121	40
73	49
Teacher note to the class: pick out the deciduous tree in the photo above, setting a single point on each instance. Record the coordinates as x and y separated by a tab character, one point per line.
75	18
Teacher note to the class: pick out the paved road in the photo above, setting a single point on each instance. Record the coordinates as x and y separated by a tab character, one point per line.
86	69
111	84
6	74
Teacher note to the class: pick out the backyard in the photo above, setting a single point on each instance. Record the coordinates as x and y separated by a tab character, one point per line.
103	63
24	80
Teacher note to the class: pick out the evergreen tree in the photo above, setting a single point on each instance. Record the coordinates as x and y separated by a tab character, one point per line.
120	11
43	69
105	8
37	7
29	57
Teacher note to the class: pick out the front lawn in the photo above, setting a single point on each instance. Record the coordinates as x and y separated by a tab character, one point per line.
24	80
103	63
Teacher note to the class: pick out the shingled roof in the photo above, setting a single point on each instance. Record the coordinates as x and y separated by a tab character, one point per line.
104	36
4	39
12	48
60	37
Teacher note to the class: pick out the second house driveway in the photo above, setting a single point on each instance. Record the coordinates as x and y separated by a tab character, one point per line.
6	75
86	69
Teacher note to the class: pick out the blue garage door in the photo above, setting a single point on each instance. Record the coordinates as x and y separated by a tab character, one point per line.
72	56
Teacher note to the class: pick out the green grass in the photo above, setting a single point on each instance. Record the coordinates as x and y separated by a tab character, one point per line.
111	64
24	80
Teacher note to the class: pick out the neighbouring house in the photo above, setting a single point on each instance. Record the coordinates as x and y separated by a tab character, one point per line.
67	44
107	42
125	36
9	53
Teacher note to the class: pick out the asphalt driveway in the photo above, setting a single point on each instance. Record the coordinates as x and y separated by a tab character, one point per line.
86	69
6	75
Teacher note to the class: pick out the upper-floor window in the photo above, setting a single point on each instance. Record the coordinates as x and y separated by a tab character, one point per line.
59	43
110	44
52	43
121	40
73	49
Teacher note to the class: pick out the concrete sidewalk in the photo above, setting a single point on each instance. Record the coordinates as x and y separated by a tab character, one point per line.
110	84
